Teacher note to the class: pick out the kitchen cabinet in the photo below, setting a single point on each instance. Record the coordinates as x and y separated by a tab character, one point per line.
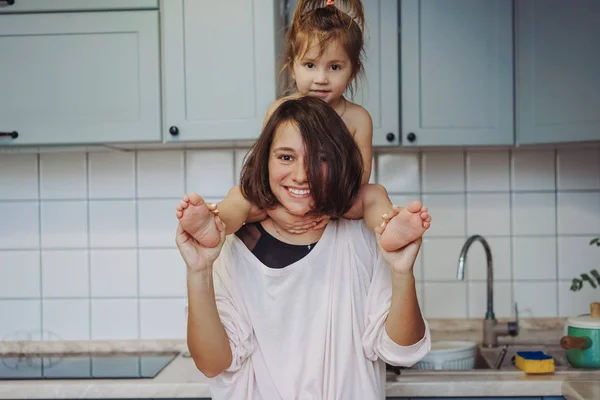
478	398
79	78
457	72
219	73
558	59
475	398
20	6
379	92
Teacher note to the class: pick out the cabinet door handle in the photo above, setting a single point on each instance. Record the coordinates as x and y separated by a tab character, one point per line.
13	134
411	137
6	3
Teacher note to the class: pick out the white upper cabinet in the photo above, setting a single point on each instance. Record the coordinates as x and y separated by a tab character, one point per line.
558	71
20	6
379	92
219	72
457	72
78	78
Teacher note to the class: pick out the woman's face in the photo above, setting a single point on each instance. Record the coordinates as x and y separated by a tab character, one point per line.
287	170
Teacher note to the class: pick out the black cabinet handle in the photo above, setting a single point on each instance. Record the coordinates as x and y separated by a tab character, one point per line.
390	137
411	137
13	134
7	2
174	130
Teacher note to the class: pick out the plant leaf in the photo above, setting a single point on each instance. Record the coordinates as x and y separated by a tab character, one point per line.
586	277
595	241
576	284
596	275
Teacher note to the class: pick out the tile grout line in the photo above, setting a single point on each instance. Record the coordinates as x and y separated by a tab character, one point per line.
24	249
392	193
89	242
466	227
41	267
137	241
556	262
511	229
133	297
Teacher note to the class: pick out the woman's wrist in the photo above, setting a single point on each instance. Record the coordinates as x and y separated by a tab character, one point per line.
403	275
199	277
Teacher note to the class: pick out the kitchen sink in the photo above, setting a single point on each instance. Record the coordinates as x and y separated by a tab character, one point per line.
490	355
486	358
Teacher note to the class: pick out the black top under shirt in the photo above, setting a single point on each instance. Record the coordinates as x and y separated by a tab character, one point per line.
270	251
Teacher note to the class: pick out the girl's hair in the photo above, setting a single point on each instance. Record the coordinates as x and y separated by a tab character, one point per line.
314	22
326	139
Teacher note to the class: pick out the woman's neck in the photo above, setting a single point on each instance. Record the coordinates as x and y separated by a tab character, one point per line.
279	233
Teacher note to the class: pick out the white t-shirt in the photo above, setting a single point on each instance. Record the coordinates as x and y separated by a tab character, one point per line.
314	329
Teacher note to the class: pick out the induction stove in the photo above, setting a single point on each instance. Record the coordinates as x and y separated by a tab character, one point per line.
83	365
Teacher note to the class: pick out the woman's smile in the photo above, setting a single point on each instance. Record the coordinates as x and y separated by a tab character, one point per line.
296	192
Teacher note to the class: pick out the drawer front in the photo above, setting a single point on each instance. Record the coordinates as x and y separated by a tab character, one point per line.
21	6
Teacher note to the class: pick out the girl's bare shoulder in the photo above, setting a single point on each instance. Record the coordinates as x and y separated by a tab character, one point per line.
357	118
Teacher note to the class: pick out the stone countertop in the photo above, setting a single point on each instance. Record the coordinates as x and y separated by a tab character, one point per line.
181	379
573	386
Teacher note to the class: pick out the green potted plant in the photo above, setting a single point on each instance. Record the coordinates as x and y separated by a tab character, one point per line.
593	278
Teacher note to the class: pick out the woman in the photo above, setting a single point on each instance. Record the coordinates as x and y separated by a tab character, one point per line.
307	316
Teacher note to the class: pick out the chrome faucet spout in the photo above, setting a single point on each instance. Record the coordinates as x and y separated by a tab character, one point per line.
460	273
491	328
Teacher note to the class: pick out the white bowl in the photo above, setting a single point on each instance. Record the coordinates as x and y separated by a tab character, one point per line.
449	355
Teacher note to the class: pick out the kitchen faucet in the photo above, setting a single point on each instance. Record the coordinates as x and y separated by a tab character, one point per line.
491	327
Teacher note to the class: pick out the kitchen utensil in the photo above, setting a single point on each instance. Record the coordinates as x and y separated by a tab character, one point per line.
449	355
582	342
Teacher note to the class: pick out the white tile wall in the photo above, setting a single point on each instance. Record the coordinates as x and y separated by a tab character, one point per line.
87	246
22	179
63	176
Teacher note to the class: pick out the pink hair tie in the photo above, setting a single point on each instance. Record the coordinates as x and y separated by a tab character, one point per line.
330	3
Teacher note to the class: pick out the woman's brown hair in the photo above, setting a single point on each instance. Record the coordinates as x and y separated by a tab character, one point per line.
313	22
326	139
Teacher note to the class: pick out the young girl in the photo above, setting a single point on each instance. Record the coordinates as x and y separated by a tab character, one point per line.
323	58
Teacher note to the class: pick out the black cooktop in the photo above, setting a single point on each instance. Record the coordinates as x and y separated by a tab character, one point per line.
84	366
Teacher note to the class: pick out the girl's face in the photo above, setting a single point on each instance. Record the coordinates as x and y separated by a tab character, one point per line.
287	171
326	76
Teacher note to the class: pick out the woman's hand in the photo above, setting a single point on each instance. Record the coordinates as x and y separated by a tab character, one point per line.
196	257
401	261
294	224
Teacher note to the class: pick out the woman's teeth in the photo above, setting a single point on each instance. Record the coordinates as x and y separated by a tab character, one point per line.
299	192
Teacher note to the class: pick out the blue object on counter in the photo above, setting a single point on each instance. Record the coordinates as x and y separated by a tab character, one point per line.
534	355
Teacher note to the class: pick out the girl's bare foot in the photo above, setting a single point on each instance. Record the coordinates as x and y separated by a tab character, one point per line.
198	219
405	226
